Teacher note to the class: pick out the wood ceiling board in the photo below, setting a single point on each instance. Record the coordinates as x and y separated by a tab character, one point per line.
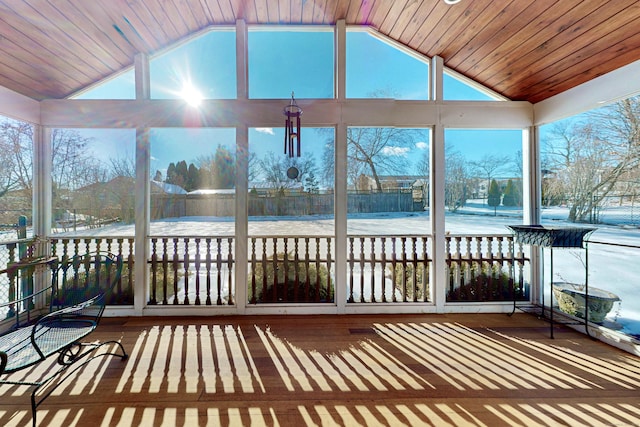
284	12
320	14
227	10
552	54
429	24
511	35
273	12
489	24
42	38
595	65
326	8
136	21
510	46
97	23
177	17
460	23
394	14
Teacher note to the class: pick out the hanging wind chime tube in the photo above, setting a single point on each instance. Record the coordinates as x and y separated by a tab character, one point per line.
292	136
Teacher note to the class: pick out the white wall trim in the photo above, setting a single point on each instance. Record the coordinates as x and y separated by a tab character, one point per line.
19	107
268	113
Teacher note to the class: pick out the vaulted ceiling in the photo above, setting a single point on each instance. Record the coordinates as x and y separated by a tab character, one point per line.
523	49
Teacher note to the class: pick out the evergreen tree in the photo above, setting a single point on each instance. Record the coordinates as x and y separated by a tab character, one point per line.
171	173
494	195
311	183
224	173
510	197
193	178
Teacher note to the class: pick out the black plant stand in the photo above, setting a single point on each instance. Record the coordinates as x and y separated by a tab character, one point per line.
556	237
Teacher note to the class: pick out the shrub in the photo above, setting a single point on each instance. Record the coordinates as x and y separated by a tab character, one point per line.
417	291
490	282
312	284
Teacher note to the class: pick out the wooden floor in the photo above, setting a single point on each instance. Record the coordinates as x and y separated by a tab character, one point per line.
396	370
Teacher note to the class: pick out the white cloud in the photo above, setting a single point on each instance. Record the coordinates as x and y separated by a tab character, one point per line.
422	145
268	131
395	151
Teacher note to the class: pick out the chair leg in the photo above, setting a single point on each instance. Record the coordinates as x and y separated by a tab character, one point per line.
61	375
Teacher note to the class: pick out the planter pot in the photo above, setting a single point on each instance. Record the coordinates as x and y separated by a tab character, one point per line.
571	300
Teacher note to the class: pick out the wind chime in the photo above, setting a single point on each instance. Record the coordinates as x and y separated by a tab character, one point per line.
292	128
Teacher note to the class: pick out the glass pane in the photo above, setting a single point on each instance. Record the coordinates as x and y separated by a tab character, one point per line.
16	178
122	86
590	179
291	221
483	194
376	69
193	181
283	187
205	66
93	181
388	214
457	90
93	203
281	62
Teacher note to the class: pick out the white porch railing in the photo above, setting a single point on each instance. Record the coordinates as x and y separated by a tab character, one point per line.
388	269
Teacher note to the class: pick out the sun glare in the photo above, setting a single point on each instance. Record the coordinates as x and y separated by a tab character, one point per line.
191	95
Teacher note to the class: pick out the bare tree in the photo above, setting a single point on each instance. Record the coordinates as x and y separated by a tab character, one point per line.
590	158
73	164
274	169
374	151
16	155
122	166
488	167
456	179
423	166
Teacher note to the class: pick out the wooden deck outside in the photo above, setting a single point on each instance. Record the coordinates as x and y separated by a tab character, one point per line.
388	370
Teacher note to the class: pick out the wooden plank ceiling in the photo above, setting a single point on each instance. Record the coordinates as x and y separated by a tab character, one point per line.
522	49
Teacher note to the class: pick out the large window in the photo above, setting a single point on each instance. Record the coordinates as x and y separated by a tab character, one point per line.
204	67
483	180
93	176
377	69
291	221
121	86
483	194
388	214
388	180
193	181
286	61
590	179
291	193
456	88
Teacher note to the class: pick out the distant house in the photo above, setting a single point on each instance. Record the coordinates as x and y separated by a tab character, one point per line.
389	182
268	188
126	184
114	199
164	188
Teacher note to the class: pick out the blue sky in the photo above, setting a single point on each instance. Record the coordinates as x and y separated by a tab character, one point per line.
281	62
